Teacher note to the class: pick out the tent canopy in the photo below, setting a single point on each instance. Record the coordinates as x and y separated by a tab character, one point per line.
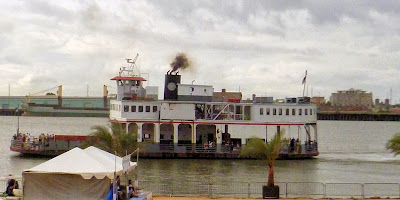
76	174
91	162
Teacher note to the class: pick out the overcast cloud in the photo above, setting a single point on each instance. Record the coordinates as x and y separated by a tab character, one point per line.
261	47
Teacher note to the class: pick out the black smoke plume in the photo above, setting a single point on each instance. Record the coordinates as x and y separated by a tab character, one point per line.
180	62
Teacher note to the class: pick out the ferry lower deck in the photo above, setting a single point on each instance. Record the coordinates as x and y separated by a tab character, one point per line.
211	139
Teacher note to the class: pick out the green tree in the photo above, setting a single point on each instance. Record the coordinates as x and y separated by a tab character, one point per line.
113	139
258	149
394	144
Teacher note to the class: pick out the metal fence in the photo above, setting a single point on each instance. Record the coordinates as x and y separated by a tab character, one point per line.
170	187
287	189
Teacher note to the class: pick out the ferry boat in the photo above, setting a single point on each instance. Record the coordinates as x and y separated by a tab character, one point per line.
194	121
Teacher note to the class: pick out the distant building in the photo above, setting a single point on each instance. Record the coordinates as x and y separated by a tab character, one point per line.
318	101
352	99
225	96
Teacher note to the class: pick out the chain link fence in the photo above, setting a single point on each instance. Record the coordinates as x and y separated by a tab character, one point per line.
287	189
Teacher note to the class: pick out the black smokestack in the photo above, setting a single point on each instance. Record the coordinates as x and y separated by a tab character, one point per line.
180	62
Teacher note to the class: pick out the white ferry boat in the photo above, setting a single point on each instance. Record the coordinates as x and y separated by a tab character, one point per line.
195	121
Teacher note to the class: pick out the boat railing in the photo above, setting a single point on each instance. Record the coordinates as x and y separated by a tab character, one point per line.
16	144
194	148
199	148
299	148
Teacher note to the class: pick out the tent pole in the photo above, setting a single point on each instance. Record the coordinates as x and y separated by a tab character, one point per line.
115	175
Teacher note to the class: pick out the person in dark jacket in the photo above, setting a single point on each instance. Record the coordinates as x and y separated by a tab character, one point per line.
10	187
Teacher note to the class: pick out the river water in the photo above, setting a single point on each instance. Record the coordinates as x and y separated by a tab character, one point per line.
350	152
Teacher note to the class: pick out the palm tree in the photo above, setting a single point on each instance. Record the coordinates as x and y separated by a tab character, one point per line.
394	144
113	139
258	149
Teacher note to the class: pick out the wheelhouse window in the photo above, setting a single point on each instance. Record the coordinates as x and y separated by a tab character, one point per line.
280	111
287	111
306	111
261	111
147	108
140	108
133	109
311	111
274	111
126	108
293	111
268	111
300	111
154	108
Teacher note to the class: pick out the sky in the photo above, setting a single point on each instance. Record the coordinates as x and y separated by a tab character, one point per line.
257	47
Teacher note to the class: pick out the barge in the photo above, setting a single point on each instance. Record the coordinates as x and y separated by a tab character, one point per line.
45	145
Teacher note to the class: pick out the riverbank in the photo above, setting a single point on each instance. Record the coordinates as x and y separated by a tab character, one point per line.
207	198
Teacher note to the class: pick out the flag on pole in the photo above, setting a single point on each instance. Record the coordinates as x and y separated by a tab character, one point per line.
304	79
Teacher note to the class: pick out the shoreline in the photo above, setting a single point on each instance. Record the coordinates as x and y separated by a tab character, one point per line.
232	198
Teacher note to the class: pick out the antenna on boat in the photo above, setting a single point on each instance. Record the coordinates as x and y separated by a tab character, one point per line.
132	65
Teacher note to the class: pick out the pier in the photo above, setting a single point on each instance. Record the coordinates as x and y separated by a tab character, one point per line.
348	116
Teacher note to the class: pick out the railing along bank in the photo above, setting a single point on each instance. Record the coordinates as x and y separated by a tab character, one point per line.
287	189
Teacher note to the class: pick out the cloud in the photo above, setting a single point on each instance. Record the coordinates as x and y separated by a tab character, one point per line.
262	46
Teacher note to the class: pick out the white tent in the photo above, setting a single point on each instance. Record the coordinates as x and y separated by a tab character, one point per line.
76	174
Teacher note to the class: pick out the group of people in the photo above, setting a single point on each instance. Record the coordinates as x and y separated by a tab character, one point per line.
294	145
11	185
42	139
120	190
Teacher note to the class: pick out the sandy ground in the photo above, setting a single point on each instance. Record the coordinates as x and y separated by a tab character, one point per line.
207	198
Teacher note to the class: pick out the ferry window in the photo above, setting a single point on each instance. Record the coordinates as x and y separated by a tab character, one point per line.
310	111
154	108
293	111
274	111
126	108
133	109
191	89
280	111
305	111
287	111
267	111
205	90
147	108
161	136
261	111
140	108
299	111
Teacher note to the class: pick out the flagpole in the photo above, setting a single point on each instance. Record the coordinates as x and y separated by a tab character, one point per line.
18	119
304	88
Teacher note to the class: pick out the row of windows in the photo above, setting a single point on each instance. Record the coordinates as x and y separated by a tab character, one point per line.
140	108
135	108
279	111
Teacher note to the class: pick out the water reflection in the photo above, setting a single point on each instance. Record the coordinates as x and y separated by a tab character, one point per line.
19	163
